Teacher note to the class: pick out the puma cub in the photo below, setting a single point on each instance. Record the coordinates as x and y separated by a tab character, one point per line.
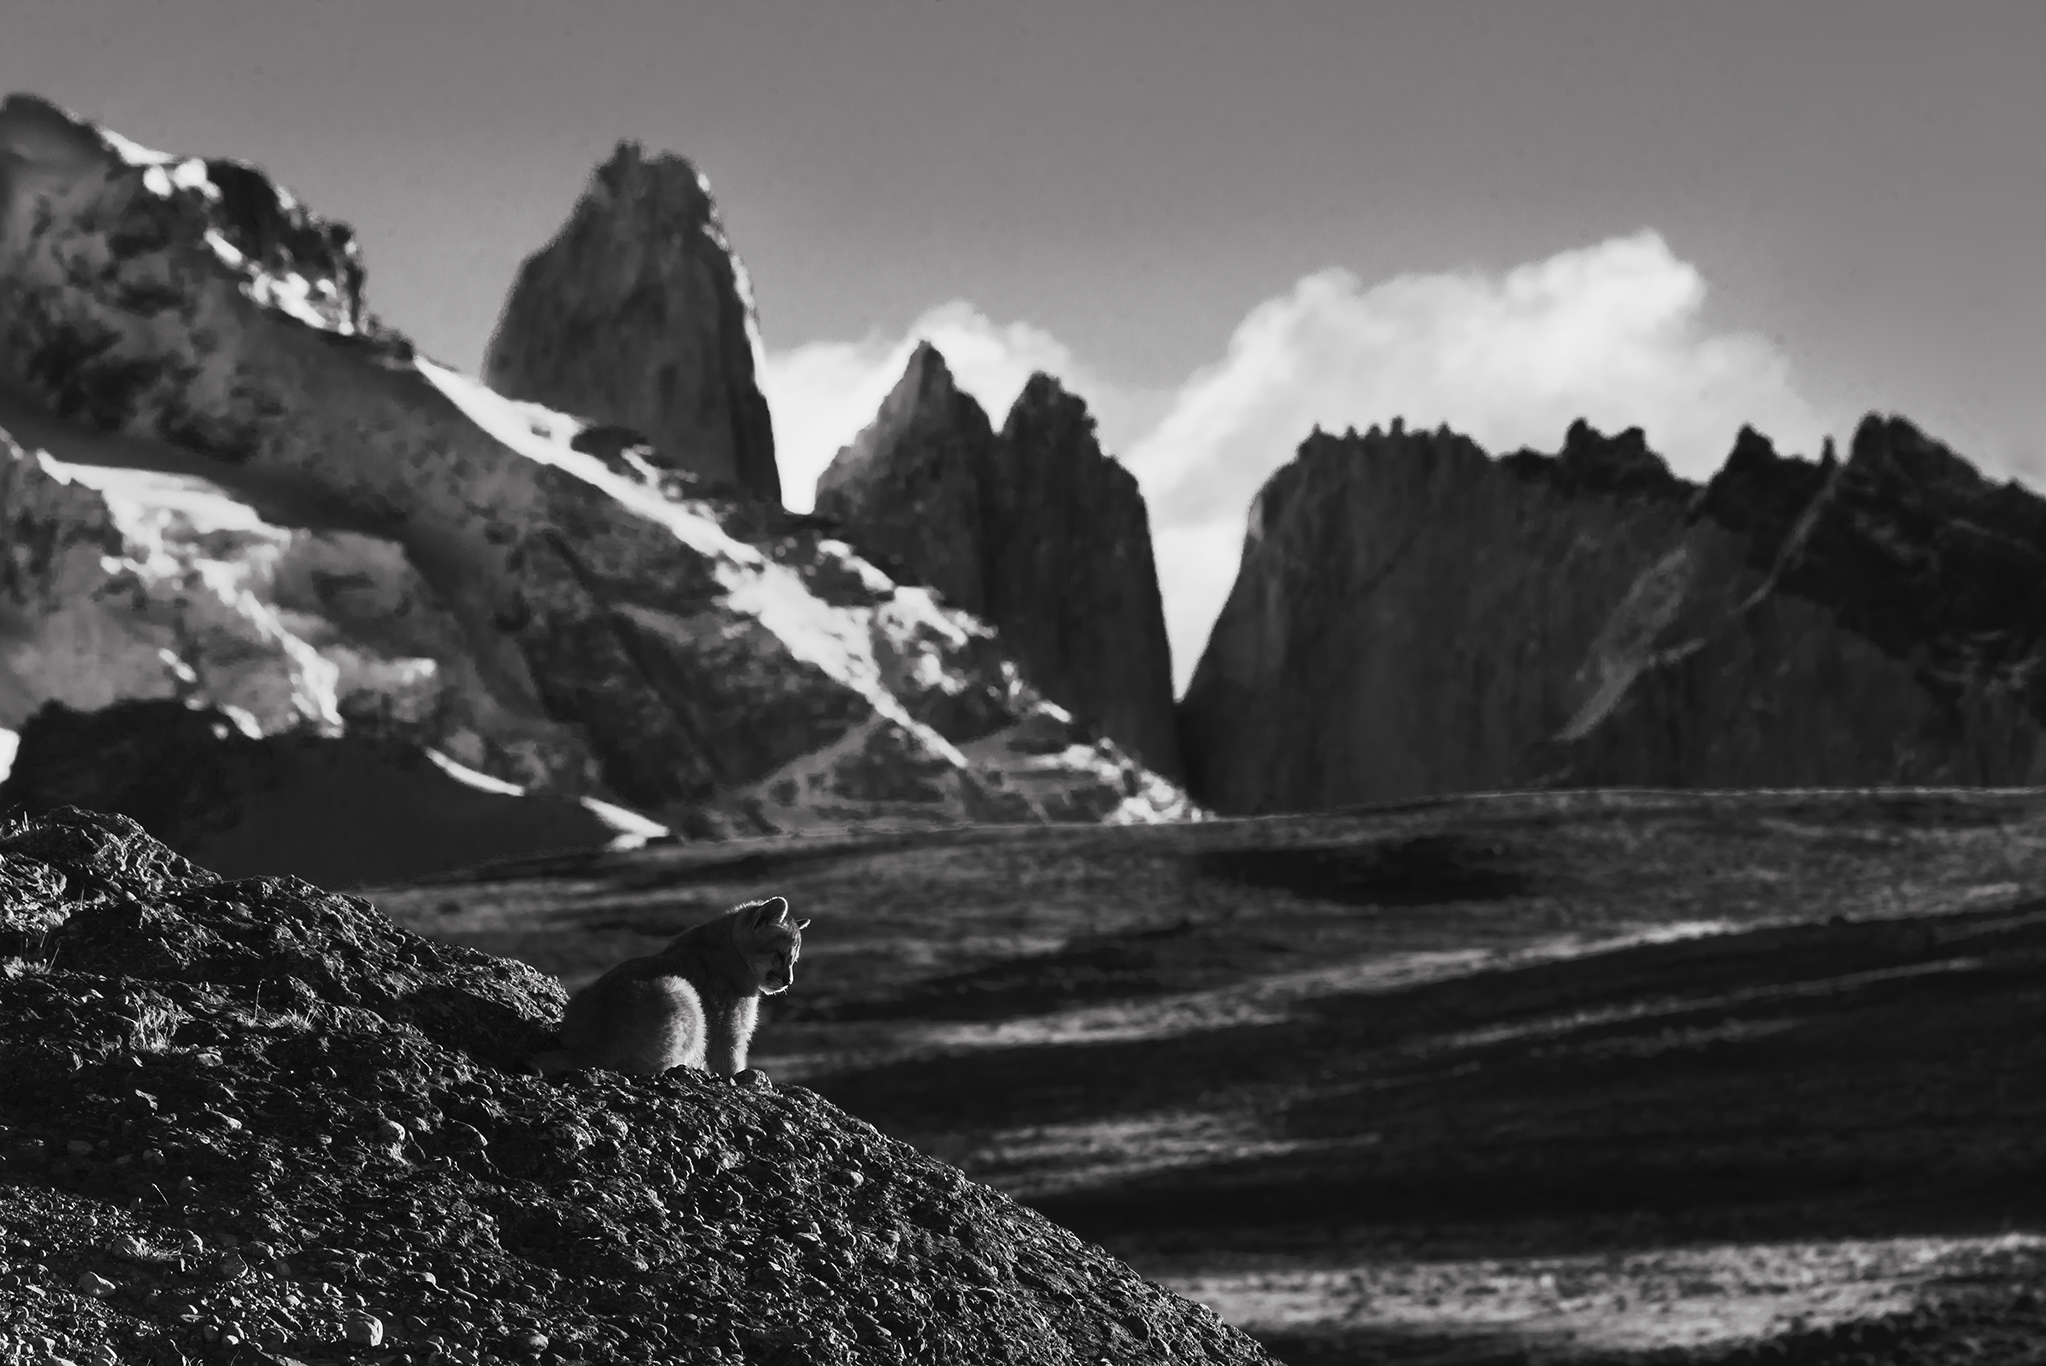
693	1004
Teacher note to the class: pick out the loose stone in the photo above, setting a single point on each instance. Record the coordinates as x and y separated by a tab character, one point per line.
366	1330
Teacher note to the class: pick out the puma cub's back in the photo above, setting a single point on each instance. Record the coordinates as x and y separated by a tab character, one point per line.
693	1004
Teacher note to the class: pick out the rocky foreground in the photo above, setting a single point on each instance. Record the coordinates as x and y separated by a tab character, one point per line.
253	1121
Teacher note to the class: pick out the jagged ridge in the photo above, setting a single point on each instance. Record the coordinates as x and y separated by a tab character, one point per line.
1414	618
596	629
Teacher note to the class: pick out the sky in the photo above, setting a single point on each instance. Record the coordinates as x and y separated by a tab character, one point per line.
1220	223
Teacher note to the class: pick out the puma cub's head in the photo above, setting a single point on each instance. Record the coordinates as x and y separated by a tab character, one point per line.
771	943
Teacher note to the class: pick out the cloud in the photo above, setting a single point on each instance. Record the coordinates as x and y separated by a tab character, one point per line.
1612	332
823	393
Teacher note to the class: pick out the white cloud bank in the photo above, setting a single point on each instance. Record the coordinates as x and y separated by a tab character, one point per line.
1613	333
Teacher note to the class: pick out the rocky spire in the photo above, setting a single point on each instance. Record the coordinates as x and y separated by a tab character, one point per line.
1034	529
1072	581
639	314
913	484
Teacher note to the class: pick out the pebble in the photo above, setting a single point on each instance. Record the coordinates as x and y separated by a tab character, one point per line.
95	1285
366	1330
530	1343
232	1265
78	1147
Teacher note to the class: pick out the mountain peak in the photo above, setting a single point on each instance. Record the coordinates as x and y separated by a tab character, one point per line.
639	314
289	259
652	180
1047	406
927	376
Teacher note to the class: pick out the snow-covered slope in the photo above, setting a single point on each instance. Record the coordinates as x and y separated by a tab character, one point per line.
194	385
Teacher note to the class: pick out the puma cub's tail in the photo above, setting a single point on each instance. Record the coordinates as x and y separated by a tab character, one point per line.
693	1004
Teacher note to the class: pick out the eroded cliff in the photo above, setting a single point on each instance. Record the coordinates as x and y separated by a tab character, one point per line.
1414	618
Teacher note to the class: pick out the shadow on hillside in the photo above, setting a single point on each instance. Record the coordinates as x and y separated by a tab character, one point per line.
1130	965
1811	1080
1426	870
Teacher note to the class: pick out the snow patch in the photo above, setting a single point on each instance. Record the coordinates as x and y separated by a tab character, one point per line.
470	777
835	640
132	152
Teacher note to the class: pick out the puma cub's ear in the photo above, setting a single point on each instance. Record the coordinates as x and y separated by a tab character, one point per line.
803	924
773	911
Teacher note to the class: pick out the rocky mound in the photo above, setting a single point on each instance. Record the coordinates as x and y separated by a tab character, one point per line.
349	810
1414	618
255	1116
639	314
1033	528
536	597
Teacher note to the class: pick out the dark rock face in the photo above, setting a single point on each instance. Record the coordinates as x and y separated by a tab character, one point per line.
1072	582
1033	529
1413	618
226	1099
913	486
639	314
348	810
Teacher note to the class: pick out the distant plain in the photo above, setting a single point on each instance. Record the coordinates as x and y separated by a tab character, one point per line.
1597	1076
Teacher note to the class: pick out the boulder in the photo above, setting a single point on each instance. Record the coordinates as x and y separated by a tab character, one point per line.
1413	618
1033	528
639	314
